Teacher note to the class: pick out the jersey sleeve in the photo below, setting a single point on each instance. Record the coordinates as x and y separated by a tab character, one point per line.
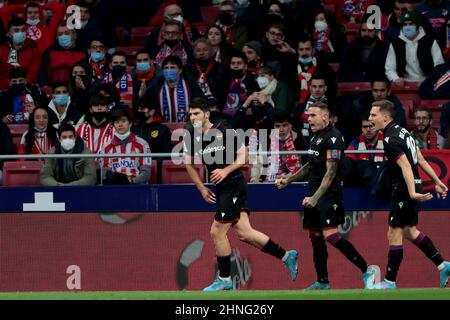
393	148
334	145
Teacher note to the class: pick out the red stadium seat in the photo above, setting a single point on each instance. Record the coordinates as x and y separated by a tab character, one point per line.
153	172
174	125
201	27
408	106
353	87
120	34
22	173
352	31
434	104
139	34
17	131
209	14
176	173
130	52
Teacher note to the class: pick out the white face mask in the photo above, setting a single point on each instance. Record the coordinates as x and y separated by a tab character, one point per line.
122	136
68	144
179	18
263	82
320	25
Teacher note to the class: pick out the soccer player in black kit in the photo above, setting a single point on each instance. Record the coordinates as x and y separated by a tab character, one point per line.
213	144
403	160
323	208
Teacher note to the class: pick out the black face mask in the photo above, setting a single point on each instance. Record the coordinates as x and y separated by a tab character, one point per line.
99	116
203	63
171	43
225	19
368	41
118	71
17	89
142	117
252	64
258	111
235	74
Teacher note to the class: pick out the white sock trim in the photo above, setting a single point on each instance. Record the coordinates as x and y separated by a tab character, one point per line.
286	255
225	279
441	266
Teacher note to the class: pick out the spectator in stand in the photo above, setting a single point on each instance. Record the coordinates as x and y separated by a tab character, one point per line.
146	75
414	54
426	137
172	44
236	33
112	95
437	84
18	52
125	170
150	127
242	85
282	138
89	30
62	108
172	12
211	76
96	130
6	145
437	12
276	51
68	171
120	76
444	126
253	51
41	135
97	61
308	64
221	48
18	102
37	28
363	58
58	60
329	36
175	91
393	30
80	87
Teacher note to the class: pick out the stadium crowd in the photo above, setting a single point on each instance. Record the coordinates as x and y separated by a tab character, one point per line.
115	75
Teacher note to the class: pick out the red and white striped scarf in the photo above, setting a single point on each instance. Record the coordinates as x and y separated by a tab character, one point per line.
167	51
322	41
304	78
278	163
95	137
378	157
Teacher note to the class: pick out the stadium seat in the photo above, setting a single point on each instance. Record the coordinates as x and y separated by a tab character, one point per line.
17	131
434	104
201	27
153	173
352	31
334	66
408	106
174	125
22	173
353	87
330	8
176	173
209	14
130	52
120	34
409	87
139	34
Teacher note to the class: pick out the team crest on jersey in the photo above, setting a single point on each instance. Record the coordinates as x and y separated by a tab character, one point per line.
154	134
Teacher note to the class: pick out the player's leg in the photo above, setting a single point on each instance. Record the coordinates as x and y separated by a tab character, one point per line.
247	234
425	244
395	257
320	258
218	233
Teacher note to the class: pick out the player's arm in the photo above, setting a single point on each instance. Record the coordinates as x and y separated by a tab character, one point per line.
300	175
327	180
206	193
441	188
408	175
218	175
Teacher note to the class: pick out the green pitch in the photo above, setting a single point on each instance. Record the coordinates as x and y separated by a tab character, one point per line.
399	294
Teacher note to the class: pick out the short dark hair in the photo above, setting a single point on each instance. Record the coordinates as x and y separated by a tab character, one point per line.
59	84
365	116
239	54
381	78
17	72
98	100
15	22
318	76
119	113
385	106
281	116
322	106
199	103
149	101
65	127
119	54
142	51
426	109
306	37
173	60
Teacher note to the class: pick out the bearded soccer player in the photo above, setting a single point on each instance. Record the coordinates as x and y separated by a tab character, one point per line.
224	160
323	208
403	160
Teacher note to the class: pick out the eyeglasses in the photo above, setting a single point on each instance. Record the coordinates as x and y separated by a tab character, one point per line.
276	34
95	47
171	33
422	119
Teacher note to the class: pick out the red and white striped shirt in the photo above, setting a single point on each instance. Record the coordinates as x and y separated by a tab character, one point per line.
94	137
127	165
41	143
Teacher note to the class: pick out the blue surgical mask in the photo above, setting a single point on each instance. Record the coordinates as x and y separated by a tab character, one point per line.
33	22
97	56
307	60
65	41
170	74
19	37
409	31
143	66
61	99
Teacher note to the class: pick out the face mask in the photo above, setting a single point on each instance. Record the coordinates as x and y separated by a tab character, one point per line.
236	73
142	117
61	99
170	74
258	111
171	43
122	136
26	116
305	60
97	56
65	41
118	71
226	19
33	22
143	66
68	144
320	25
40	130
99	116
409	31
179	18
203	63
17	89
2	5
19	37
263	82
